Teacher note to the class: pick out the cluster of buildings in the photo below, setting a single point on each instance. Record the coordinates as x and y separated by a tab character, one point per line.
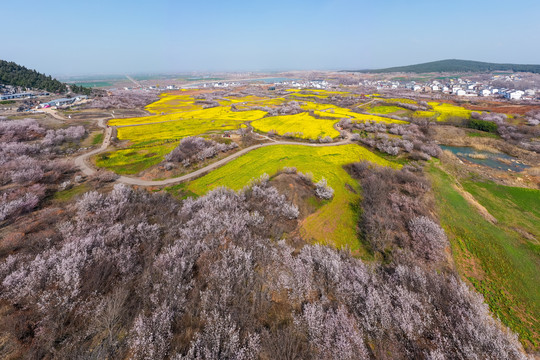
458	87
24	95
317	84
63	101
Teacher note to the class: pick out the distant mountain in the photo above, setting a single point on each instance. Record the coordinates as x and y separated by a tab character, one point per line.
17	75
453	65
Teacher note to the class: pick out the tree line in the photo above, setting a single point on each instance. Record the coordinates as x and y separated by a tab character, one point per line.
17	75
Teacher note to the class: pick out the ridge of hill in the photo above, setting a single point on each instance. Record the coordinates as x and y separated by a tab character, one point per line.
455	65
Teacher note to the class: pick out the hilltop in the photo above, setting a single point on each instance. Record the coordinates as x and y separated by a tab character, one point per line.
454	65
18	75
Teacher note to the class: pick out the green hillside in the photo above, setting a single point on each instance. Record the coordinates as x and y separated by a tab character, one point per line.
17	75
453	65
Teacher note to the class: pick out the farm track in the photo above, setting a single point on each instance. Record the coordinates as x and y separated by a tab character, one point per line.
82	160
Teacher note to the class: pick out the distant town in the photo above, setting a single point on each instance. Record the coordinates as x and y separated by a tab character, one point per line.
494	86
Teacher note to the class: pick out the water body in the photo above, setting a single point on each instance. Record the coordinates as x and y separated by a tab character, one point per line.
498	161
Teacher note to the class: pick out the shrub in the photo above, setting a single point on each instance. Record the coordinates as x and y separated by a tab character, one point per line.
194	149
429	240
483	125
323	190
326	139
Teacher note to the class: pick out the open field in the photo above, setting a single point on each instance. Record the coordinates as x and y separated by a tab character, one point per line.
336	111
175	130
444	112
499	259
301	125
133	160
499	107
385	109
334	223
310	95
176	115
319	91
395	100
219	112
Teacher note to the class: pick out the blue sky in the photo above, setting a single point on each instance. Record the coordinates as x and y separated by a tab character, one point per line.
118	37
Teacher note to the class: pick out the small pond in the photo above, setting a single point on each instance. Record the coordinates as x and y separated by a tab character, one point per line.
498	161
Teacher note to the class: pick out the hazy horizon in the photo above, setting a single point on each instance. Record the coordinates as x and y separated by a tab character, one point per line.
64	38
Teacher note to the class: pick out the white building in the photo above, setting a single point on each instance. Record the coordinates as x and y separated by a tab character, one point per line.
460	92
417	88
515	95
15	96
485	92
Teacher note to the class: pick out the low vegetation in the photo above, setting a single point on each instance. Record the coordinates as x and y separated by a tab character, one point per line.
499	259
31	164
483	125
194	149
334	223
287	251
395	218
132	274
135	159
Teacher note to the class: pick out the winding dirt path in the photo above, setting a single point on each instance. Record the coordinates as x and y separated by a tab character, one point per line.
217	164
82	160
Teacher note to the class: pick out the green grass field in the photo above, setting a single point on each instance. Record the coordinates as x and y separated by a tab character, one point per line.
482	134
134	160
97	139
67	195
335	222
385	109
499	260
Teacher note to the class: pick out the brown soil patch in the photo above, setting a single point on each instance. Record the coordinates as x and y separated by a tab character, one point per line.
296	191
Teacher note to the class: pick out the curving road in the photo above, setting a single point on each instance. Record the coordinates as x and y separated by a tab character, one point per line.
81	160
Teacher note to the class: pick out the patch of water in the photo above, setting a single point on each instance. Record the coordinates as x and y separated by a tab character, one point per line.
498	161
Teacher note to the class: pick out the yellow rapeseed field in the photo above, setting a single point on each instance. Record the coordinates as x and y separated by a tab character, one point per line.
301	125
335	222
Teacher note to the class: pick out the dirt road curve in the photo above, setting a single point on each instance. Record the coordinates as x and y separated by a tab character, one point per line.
81	160
217	164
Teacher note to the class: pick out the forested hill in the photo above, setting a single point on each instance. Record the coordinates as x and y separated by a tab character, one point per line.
453	65
17	75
